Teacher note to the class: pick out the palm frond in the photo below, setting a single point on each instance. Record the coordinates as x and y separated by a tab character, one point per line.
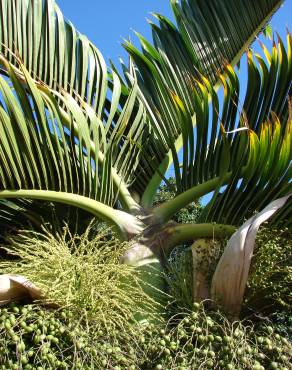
55	54
18	214
208	37
242	152
52	50
46	147
265	172
216	33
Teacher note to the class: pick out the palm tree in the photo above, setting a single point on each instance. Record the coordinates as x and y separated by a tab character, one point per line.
77	133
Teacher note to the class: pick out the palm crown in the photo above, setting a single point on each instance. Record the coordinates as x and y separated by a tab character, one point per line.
78	133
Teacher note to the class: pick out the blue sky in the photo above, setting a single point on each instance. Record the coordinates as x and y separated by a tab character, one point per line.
107	22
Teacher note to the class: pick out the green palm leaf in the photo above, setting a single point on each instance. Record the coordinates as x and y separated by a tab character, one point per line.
60	132
267	167
52	50
39	148
57	55
208	36
60	153
217	33
243	153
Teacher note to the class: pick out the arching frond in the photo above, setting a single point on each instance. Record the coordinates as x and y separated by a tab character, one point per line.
216	33
55	54
62	153
267	167
243	153
208	37
67	125
53	51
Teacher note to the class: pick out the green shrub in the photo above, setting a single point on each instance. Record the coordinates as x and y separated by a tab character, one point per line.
179	280
269	286
179	274
262	343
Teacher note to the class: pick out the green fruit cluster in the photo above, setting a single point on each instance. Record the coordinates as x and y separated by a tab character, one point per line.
270	277
208	342
35	338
